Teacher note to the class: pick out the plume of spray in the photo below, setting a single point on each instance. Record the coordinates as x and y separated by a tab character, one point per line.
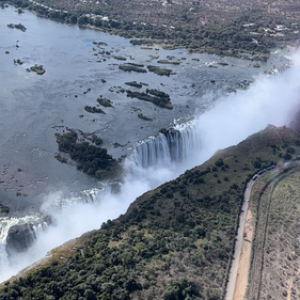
269	100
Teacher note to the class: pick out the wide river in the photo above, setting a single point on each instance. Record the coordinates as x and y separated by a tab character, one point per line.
34	108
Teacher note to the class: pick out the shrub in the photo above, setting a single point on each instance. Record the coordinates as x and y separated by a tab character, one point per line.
178	289
257	164
219	162
89	295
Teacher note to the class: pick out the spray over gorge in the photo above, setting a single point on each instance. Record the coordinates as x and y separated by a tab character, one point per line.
65	202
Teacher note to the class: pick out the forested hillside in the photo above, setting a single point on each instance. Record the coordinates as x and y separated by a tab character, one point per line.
175	242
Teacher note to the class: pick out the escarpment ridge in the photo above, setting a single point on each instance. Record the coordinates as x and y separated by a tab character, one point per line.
181	234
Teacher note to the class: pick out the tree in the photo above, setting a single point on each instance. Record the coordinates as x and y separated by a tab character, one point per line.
179	290
89	295
219	162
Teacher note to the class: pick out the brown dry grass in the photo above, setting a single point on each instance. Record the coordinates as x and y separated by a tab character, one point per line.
275	267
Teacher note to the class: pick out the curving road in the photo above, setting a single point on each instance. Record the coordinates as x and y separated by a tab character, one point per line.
238	277
235	277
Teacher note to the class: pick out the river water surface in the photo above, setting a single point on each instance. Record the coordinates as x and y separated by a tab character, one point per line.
34	108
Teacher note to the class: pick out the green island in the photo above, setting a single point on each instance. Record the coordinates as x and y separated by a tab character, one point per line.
177	241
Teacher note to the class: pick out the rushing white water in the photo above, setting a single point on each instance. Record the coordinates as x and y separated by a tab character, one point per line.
172	145
10	234
269	100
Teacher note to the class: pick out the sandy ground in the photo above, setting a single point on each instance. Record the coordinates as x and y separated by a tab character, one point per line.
244	263
241	253
290	285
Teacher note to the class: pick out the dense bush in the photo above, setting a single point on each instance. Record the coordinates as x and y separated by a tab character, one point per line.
90	159
219	162
179	290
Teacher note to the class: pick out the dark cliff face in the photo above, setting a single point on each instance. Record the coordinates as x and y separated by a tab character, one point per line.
4	210
20	238
295	122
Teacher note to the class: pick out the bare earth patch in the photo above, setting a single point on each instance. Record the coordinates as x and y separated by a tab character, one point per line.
244	263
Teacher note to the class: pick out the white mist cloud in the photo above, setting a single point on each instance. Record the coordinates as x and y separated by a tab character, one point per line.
73	217
269	100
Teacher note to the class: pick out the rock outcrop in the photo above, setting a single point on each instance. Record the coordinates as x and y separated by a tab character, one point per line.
38	69
17	26
93	110
158	98
131	67
20	237
104	102
159	71
134	84
4	210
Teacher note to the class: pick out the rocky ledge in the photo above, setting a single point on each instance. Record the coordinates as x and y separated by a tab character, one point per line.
134	84
38	69
104	102
132	67
21	236
160	71
17	26
4	210
93	109
158	98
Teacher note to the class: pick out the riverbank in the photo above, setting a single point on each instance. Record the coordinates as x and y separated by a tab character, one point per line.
235	33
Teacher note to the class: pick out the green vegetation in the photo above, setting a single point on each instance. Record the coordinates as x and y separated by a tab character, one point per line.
91	159
175	242
222	28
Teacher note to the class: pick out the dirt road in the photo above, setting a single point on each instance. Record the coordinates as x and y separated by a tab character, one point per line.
245	257
238	276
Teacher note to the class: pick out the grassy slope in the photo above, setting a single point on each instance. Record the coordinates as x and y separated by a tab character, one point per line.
175	242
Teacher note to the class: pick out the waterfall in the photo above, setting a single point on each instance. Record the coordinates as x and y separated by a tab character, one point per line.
18	234
63	200
170	145
25	234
